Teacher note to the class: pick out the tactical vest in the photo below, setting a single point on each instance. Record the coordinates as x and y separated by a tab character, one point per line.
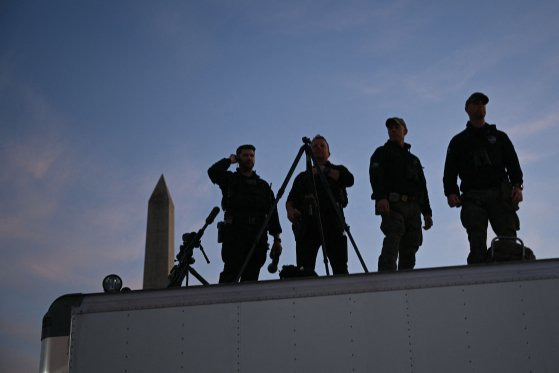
412	165
246	195
339	193
484	156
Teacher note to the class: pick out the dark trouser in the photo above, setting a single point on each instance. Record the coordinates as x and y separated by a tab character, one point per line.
480	207
308	241
234	251
402	231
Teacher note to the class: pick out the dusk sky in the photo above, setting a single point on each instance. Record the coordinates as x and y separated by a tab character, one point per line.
98	99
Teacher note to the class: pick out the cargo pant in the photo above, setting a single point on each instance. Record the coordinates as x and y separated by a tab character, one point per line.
308	241
235	249
402	231
480	207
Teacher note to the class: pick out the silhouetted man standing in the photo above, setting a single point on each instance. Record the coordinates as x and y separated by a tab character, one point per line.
400	194
246	200
491	179
302	211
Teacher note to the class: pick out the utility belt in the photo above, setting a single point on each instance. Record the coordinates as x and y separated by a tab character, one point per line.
244	219
310	207
481	196
230	223
397	197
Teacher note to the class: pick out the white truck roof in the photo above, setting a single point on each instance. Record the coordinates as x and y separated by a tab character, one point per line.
487	318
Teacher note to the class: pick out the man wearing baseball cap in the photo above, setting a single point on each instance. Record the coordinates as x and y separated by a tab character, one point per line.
491	179
400	195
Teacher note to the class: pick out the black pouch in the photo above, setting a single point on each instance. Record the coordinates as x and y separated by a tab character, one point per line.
506	190
300	229
223	232
506	195
291	271
393	197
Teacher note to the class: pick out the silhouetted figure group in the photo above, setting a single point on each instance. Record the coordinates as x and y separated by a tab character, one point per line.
482	157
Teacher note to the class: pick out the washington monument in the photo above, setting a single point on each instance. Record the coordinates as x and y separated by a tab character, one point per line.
160	246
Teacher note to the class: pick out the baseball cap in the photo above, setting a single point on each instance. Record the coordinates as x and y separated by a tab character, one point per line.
477	96
398	121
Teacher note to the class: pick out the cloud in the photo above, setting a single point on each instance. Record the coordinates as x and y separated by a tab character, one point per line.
18	330
14	333
535	127
528	157
35	157
435	81
54	230
15	361
37	167
14	227
80	266
304	17
8	65
453	70
57	238
168	22
545	129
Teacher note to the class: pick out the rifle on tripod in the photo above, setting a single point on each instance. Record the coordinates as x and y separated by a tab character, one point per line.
185	258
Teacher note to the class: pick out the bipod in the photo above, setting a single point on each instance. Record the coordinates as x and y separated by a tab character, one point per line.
185	258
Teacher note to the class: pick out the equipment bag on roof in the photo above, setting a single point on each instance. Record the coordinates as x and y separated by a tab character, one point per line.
504	249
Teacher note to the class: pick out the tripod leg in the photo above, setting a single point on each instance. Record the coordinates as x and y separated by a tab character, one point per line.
346	227
318	216
273	208
337	208
197	275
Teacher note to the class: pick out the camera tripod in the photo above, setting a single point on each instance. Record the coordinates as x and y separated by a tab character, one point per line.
310	161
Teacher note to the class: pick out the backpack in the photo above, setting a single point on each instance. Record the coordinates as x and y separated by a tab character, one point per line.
505	249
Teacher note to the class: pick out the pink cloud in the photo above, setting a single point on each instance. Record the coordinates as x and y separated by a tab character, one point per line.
536	126
16	361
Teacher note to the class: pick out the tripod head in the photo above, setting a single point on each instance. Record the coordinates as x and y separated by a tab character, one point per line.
186	251
306	140
188	237
192	240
